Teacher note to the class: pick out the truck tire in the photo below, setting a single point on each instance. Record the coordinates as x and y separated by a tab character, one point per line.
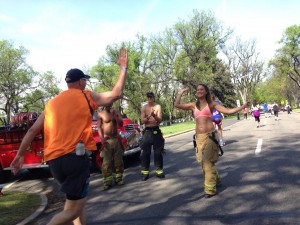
96	162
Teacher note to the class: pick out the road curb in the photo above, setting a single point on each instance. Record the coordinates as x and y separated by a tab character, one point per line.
39	210
172	135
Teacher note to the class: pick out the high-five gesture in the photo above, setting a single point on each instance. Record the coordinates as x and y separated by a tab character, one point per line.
123	59
108	97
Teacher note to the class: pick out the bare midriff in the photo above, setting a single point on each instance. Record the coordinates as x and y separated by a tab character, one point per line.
204	125
110	129
151	124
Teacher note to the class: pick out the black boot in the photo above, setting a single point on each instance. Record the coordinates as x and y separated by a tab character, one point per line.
145	177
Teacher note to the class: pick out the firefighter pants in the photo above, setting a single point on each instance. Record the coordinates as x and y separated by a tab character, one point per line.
207	155
113	166
152	137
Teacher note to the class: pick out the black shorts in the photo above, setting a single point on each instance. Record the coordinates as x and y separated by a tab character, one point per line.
257	118
72	172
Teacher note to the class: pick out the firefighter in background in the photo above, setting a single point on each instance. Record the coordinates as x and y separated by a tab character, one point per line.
217	118
112	153
206	136
151	117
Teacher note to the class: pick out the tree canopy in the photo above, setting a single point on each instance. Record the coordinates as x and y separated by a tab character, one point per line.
186	54
20	86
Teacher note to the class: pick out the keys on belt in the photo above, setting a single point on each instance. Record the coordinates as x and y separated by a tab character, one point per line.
153	131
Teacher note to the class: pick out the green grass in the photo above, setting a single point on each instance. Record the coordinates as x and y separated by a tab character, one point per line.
177	128
16	206
296	110
186	126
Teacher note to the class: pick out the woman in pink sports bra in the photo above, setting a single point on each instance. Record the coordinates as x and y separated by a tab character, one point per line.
206	136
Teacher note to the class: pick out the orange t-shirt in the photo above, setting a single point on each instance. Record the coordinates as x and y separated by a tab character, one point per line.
67	121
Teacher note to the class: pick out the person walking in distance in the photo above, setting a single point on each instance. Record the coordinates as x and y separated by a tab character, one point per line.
245	113
288	109
206	136
217	118
275	110
112	152
270	109
68	139
266	110
256	114
151	116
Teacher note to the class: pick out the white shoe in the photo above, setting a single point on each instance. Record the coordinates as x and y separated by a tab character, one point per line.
221	142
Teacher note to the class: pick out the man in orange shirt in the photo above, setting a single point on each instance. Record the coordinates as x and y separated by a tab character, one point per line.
68	138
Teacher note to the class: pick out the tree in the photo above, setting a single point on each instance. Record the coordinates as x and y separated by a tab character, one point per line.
245	67
16	77
199	41
47	87
278	87
139	78
272	89
185	54
163	55
22	88
287	59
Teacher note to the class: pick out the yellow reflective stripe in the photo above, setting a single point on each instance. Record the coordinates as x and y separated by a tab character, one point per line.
159	171
118	175
144	172
109	178
210	187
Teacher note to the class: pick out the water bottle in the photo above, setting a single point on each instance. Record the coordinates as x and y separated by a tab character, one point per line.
80	148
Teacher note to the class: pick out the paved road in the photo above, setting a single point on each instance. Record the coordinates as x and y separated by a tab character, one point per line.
260	173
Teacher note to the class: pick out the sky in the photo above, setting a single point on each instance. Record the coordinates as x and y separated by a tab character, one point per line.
65	34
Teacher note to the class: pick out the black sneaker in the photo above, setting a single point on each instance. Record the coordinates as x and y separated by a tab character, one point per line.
209	196
120	182
145	177
106	187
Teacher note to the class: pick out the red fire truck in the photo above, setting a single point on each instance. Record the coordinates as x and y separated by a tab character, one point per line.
12	134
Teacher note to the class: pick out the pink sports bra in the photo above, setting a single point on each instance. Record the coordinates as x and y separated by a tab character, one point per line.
205	112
